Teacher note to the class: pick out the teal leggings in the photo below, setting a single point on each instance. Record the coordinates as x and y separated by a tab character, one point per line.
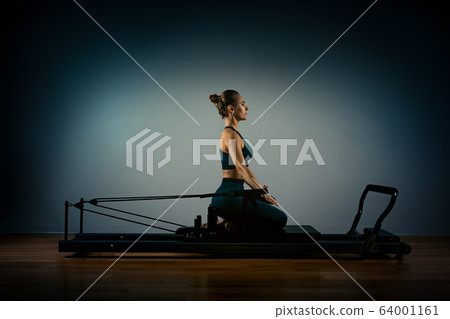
262	216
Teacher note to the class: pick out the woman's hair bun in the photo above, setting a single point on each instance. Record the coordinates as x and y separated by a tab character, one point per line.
214	98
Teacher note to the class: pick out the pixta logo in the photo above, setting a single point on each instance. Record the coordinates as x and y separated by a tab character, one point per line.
145	141
308	152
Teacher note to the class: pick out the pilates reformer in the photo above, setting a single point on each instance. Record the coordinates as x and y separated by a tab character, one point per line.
292	239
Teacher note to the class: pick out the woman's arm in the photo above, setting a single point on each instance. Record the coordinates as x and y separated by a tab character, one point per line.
266	196
234	146
235	152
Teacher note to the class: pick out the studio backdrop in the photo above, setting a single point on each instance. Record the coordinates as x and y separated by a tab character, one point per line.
110	98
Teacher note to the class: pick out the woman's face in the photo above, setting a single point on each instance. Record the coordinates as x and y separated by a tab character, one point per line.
240	111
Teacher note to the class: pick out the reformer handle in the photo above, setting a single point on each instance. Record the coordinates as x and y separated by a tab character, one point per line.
377	189
382	189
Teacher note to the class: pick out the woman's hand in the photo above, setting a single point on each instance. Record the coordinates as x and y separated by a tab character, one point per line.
268	198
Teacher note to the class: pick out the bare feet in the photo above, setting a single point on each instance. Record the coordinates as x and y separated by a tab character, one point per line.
222	224
225	224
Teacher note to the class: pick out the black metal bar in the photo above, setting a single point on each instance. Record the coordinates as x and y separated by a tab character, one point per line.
140	198
377	189
386	212
383	189
139	215
127	220
66	220
371	240
81	206
198	222
245	192
212	218
355	223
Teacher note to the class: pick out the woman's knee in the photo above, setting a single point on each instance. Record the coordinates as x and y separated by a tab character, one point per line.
283	219
279	219
274	216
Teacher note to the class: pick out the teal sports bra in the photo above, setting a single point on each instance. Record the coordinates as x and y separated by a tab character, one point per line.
246	151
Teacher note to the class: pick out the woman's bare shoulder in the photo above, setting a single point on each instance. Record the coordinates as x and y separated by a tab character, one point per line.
229	134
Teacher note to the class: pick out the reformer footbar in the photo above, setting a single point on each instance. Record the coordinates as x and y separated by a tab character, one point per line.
373	242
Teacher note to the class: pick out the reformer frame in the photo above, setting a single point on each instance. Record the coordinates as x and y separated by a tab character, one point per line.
292	240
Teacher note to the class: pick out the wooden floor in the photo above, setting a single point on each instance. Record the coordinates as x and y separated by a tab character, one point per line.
32	269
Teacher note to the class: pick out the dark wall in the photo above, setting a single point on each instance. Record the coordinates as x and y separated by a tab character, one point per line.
375	104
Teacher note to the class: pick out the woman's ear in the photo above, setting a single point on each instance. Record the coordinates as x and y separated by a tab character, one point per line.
230	108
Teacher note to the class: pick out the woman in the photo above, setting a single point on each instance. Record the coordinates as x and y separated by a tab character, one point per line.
238	213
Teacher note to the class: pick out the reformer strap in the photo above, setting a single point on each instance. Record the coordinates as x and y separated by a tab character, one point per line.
248	194
245	193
